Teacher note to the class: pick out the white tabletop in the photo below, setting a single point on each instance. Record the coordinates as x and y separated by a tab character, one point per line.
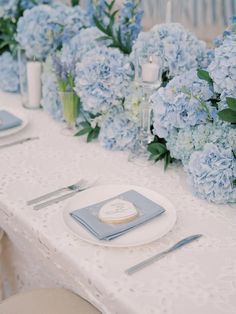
199	278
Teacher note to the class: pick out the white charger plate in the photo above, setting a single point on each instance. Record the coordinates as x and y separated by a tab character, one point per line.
143	234
19	114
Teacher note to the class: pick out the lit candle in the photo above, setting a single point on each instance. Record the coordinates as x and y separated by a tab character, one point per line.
34	84
150	71
168	12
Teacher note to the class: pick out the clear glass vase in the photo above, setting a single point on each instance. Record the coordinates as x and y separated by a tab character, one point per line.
70	102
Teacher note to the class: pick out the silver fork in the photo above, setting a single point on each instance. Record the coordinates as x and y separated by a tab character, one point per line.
63	197
71	187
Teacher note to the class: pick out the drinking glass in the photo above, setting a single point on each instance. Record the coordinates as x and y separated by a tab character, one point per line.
70	108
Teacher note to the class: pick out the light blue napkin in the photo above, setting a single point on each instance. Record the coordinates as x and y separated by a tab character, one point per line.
8	120
88	216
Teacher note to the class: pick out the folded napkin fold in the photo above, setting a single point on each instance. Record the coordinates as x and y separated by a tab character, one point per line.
8	120
88	216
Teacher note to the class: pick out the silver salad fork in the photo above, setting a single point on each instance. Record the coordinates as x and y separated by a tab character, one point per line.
73	187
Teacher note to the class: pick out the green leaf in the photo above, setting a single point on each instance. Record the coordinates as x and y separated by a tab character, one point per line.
85	124
75	2
83	132
161	147
153	149
113	46
152	157
107	14
93	134
159	151
103	38
231	102
167	161
156	148
234	182
110	6
228	115
204	75
99	25
114	14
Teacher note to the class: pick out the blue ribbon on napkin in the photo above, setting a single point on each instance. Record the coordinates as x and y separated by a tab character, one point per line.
8	120
88	216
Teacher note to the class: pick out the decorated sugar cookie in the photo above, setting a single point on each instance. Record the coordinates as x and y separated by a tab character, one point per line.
117	211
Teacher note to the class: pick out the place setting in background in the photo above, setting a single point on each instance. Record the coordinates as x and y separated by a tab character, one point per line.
12	122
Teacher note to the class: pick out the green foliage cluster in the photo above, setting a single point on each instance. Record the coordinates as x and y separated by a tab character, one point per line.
111	32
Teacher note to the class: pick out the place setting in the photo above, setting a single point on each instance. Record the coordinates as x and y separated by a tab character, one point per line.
116	216
111	215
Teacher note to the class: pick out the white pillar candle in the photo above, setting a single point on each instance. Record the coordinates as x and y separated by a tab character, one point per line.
34	84
169	11
150	71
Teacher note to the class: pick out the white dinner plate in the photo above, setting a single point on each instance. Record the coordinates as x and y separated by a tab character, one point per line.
18	114
143	234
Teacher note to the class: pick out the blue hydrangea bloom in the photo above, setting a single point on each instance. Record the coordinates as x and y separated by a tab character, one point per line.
50	99
86	40
75	20
9	73
223	68
182	143
212	172
29	4
178	49
118	131
52	27
228	34
182	103
50	102
8	8
102	78
45	37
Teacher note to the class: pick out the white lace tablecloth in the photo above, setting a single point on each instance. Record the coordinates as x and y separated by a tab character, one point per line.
42	252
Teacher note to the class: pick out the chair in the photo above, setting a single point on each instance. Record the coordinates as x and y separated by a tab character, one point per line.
1	284
47	301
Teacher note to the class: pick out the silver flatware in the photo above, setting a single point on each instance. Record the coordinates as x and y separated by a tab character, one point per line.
72	187
63	197
19	142
158	256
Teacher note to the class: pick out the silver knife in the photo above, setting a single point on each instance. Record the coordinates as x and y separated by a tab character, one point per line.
19	141
158	256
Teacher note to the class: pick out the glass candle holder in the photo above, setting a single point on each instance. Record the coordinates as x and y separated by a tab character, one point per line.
139	154
148	69
30	81
70	104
